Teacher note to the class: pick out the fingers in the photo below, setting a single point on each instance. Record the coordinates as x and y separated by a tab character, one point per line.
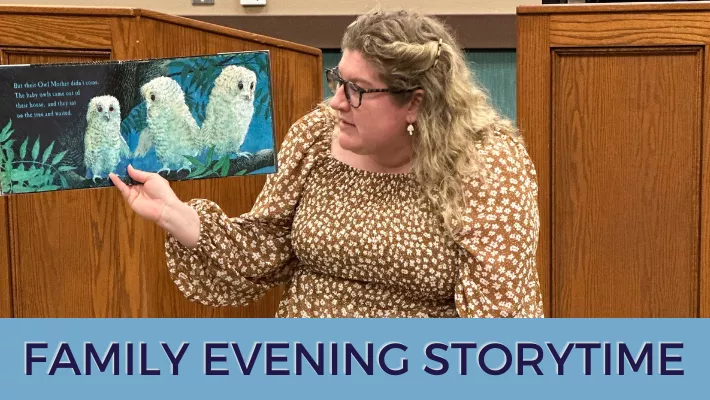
122	187
138	175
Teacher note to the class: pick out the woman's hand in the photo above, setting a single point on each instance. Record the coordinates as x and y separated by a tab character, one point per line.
151	198
154	200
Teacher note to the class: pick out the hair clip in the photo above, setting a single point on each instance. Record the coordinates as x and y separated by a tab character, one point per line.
438	53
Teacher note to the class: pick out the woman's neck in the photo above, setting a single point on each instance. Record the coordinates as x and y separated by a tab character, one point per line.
396	160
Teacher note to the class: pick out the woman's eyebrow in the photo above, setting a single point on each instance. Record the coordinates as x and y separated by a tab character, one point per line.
361	81
357	81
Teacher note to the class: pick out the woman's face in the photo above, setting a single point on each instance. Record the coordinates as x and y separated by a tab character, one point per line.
379	124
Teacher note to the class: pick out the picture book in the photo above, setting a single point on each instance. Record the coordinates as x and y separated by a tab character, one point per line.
67	126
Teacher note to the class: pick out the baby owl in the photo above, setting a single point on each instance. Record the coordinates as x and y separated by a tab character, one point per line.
229	110
103	143
171	128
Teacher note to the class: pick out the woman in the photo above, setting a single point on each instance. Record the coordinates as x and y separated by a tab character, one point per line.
408	197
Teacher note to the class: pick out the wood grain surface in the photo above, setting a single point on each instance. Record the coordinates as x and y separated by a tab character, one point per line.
533	118
626	151
625	164
632	29
579	9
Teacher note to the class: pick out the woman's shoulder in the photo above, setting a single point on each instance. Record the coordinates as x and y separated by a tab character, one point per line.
503	145
310	134
314	125
504	159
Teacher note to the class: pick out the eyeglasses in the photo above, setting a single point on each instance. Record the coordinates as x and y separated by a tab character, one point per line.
354	92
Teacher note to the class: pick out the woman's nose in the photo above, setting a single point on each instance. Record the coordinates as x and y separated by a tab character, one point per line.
339	101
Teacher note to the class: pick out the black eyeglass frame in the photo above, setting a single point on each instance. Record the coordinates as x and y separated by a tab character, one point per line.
332	77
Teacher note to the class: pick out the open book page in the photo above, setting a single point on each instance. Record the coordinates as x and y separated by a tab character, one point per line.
67	126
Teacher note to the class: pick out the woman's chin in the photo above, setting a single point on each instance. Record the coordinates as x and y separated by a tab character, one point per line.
348	141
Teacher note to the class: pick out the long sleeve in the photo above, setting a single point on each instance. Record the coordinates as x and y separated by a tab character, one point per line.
238	259
499	233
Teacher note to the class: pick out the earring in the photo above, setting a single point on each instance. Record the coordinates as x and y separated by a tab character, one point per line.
410	129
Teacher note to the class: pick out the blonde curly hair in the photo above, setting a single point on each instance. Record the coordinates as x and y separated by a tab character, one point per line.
455	112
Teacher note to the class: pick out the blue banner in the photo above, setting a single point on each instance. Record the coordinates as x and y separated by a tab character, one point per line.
353	359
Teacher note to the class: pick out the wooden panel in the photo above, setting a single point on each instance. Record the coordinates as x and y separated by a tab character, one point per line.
613	8
44	56
65	277
211	29
629	29
533	109
6	310
56	31
125	38
705	198
626	182
64	10
63	253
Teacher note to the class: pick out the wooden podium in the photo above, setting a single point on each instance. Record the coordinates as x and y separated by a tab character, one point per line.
84	253
614	102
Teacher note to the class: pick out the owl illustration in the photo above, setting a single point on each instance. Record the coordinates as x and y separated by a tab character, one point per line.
229	110
171	128
103	143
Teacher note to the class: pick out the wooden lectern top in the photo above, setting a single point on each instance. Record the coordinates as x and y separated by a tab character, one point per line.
143	13
616	7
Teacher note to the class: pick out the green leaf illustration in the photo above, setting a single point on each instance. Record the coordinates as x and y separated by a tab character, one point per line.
261	63
179	64
184	77
242	172
23	148
225	167
59	158
63	180
47	152
49	177
5	182
195	161
196	173
6	131
205	78
23	189
37	181
220	165
35	150
18	175
8	145
65	168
